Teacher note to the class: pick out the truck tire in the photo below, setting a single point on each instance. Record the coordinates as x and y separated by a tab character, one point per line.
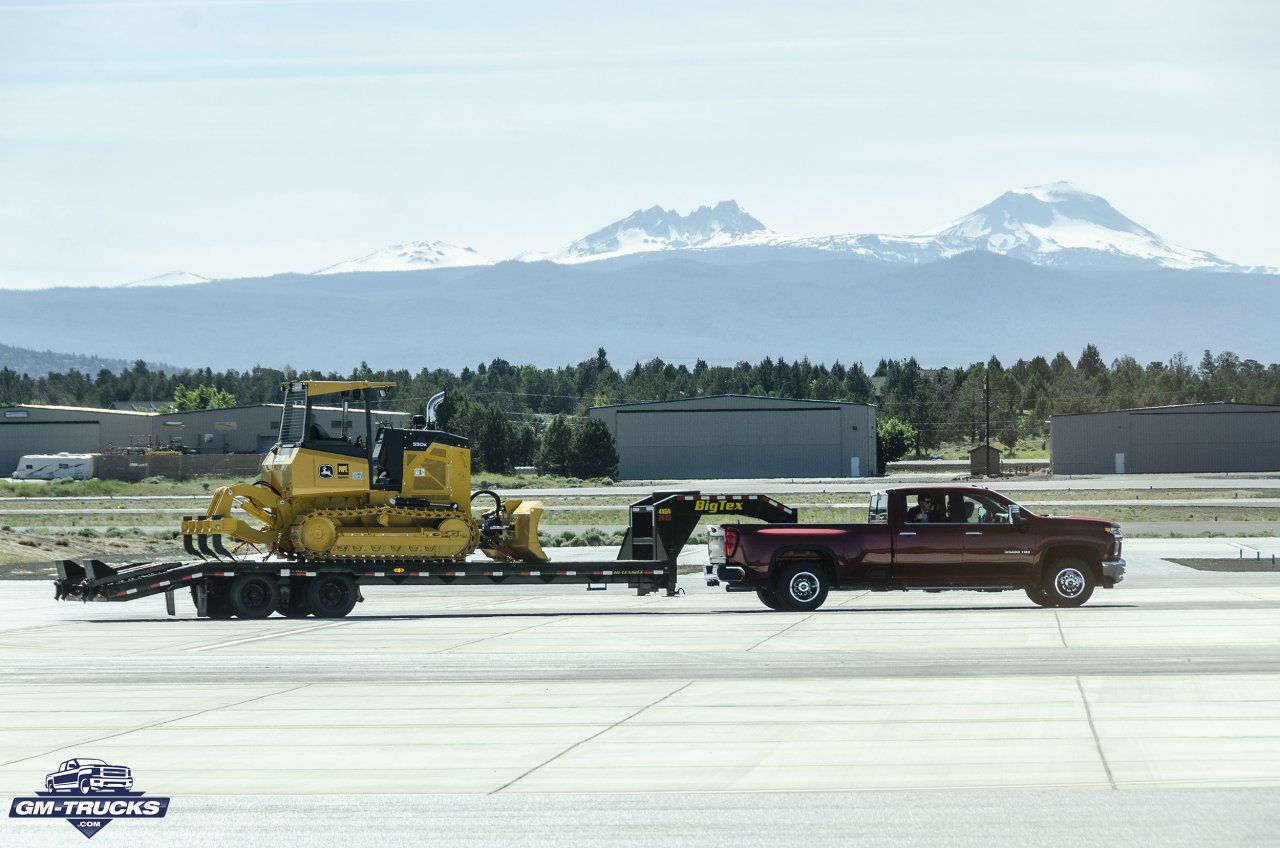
769	599
1039	596
1068	582
331	595
254	595
802	587
85	786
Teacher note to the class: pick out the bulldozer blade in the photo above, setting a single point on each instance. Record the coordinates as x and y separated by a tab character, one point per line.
190	548
215	541
202	542
521	537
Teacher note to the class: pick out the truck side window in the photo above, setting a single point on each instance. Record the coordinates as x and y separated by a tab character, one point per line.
994	513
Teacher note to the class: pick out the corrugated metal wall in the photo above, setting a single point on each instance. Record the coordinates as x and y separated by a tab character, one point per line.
242	429
1188	439
17	440
731	436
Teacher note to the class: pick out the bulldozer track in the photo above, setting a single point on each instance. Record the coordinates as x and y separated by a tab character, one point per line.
398	521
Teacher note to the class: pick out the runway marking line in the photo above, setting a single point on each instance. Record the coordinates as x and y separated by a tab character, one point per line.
282	633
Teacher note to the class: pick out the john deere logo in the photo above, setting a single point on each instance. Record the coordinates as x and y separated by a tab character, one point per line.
89	794
326	472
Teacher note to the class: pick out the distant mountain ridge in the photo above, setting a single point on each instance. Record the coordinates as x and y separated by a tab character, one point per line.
414	256
719	305
724	225
1056	226
1053	226
38	363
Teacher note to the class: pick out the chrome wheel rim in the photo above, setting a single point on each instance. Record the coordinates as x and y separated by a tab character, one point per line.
1069	582
803	587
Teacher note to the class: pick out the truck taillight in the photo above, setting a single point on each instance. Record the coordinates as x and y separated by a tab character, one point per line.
730	541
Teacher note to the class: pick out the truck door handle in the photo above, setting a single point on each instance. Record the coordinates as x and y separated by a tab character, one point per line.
974	533
907	533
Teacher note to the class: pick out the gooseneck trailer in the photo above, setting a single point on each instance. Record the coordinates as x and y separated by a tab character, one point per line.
223	586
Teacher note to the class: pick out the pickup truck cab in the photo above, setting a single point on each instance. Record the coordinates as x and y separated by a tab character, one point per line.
936	538
88	776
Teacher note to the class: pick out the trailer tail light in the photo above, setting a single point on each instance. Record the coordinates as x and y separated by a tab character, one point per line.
730	541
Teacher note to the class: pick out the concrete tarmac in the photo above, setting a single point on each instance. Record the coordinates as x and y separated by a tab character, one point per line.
550	715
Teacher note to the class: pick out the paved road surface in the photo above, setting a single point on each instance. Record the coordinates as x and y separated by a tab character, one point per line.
549	715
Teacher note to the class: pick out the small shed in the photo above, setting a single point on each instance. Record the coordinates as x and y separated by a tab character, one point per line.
984	461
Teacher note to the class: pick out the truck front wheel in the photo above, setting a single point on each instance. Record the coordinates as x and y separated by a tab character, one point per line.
1068	582
802	587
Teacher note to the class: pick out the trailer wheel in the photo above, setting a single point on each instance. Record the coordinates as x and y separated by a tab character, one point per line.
331	595
769	599
254	595
802	587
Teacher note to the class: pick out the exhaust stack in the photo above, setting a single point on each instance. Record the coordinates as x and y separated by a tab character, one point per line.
431	409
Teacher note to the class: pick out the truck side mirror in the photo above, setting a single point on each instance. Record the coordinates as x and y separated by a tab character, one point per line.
1016	518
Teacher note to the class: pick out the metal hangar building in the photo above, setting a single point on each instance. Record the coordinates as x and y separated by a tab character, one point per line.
1190	438
741	436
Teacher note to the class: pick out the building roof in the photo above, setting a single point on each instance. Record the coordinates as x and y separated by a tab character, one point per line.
1219	406
698	398
95	409
156	414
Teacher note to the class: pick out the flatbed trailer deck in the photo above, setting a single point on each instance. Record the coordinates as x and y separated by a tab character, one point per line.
658	528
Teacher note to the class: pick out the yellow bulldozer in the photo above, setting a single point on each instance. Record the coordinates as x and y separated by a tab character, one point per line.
368	492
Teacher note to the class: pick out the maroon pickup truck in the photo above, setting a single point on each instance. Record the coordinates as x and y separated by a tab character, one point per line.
936	538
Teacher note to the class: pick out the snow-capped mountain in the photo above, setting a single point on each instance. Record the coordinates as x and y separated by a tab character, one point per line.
724	225
414	256
173	278
1054	225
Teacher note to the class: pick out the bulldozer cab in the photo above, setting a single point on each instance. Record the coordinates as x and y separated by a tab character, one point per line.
344	429
415	464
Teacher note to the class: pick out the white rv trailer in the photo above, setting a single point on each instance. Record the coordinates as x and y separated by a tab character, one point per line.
51	466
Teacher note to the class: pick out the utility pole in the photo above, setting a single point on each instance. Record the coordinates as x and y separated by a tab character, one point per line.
986	392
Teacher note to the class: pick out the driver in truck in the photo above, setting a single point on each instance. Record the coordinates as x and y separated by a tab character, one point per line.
921	512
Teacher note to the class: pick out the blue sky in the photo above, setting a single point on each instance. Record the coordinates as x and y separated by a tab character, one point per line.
244	138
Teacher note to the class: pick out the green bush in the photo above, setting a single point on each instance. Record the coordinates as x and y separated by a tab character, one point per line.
594	537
